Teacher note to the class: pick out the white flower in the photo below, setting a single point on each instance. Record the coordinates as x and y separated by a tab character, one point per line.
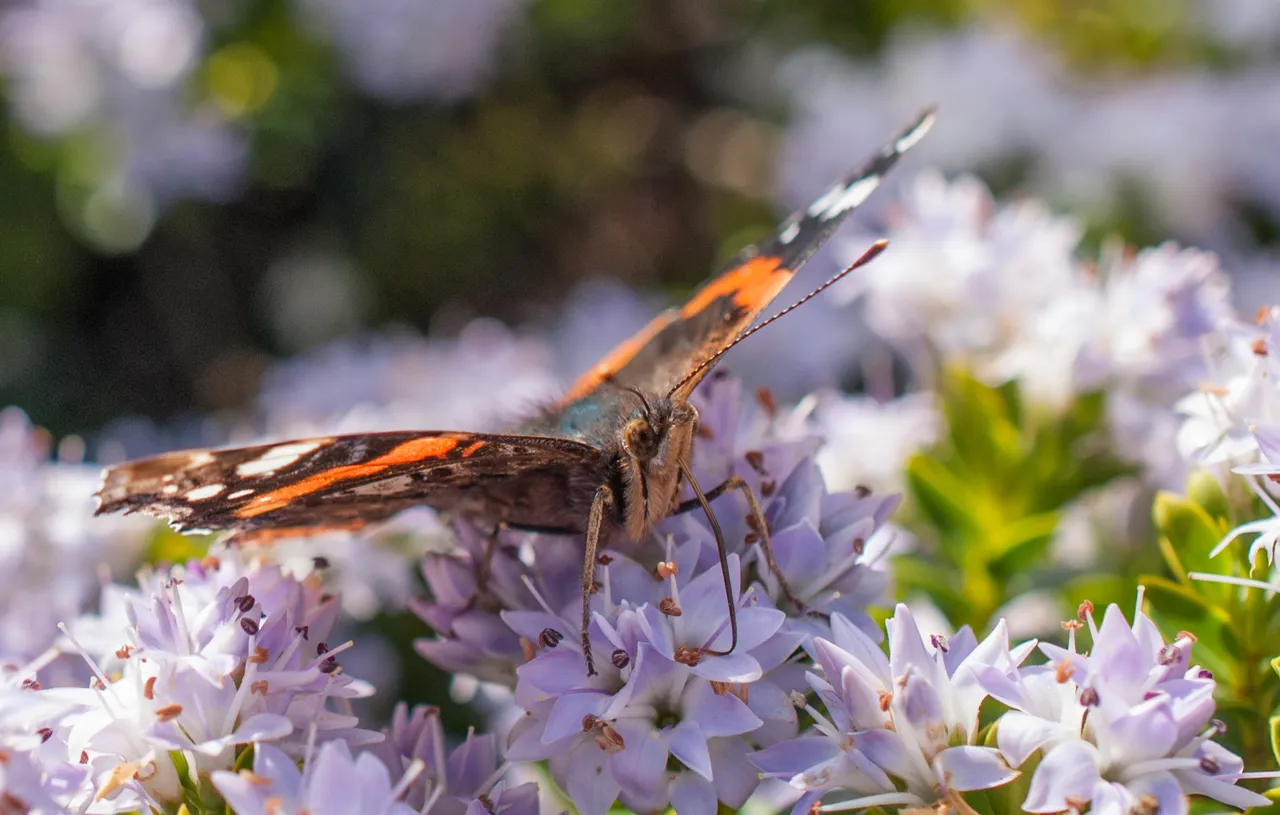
51	547
868	441
203	657
1241	392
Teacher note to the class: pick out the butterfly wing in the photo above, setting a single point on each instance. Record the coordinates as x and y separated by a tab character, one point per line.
678	341
348	481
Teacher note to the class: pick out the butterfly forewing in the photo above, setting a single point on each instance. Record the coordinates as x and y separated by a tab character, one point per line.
664	353
344	481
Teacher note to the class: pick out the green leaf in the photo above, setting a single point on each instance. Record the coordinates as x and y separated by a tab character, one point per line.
938	494
1022	542
1187	534
1275	737
1206	492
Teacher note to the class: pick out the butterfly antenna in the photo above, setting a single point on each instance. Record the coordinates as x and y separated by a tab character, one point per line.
866	257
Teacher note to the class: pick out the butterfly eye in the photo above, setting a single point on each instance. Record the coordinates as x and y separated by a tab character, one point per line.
640	439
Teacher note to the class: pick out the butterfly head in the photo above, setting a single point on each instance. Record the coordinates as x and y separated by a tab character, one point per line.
655	441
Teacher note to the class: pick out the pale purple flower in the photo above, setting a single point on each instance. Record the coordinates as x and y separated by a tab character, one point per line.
1240	392
1157	307
331	782
899	730
656	689
611	738
203	657
1129	721
1266	531
52	549
26	783
953	246
867	441
829	548
450	782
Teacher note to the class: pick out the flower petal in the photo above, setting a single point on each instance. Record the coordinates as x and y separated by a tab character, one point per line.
966	768
788	758
717	714
640	768
1018	735
693	794
1069	772
689	744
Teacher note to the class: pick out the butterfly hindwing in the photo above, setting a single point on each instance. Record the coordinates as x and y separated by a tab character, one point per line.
678	341
347	481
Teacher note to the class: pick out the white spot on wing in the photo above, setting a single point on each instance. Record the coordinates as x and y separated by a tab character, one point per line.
170	489
282	455
206	492
849	197
239	494
911	138
789	233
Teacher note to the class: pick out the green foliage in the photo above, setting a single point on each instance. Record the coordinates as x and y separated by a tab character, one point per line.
1236	628
987	500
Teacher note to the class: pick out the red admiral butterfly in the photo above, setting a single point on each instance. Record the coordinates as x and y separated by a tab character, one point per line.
612	456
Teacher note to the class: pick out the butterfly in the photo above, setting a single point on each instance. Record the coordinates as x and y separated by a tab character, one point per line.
612	456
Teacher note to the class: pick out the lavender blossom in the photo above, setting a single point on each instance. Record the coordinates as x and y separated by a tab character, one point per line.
199	659
1129	722
897	731
667	720
461	781
51	548
332	780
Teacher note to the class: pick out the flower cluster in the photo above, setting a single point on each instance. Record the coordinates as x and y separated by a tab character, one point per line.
1125	727
508	610
1142	327
52	551
198	659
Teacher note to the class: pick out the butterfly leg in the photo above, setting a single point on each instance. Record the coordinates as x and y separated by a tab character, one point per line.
704	502
759	526
485	568
595	525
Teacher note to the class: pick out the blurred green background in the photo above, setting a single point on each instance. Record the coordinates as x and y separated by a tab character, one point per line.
191	189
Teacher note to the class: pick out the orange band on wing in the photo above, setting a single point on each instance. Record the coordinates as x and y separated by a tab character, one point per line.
471	448
617	358
751	285
406	453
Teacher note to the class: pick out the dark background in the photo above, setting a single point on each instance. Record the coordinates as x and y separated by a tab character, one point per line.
150	268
